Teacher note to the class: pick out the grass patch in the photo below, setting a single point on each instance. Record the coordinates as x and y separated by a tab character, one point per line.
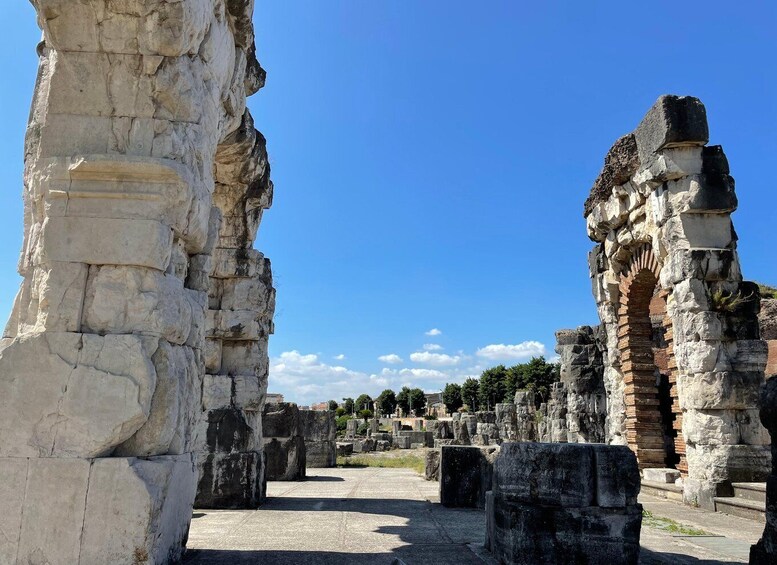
414	462
670	526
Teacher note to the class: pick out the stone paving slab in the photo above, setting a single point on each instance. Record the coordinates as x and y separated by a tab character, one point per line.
378	515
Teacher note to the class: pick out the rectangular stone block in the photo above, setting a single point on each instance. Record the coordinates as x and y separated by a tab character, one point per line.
285	458
527	534
551	474
465	475
425	439
402	442
320	454
665	476
617	476
672	121
107	241
230	480
281	420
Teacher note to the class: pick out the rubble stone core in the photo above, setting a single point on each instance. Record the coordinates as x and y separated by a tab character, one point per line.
144	185
684	360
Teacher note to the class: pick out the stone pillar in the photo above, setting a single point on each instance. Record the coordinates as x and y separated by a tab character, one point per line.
102	361
765	551
241	304
684	359
582	372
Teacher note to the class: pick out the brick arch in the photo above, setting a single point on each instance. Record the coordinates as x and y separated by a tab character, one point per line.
645	337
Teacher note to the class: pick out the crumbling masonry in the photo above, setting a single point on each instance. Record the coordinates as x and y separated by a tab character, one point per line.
684	359
144	186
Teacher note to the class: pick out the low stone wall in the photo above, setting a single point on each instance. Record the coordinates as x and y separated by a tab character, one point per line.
320	432
564	504
284	444
465	475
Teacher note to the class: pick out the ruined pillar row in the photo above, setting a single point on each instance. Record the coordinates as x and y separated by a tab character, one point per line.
103	357
676	312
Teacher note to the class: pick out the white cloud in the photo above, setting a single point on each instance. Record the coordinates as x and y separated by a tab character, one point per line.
392	358
433	332
438	359
432	347
502	352
413	374
340	357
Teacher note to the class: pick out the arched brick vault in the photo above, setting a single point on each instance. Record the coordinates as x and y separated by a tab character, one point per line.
647	356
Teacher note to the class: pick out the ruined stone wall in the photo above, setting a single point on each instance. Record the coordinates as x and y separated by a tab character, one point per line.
580	354
767	319
684	357
101	367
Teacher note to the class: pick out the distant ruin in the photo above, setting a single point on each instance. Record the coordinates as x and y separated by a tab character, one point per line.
144	186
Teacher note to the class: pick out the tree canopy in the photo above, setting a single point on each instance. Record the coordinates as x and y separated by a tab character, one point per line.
363	402
469	393
348	405
332	405
386	402
451	397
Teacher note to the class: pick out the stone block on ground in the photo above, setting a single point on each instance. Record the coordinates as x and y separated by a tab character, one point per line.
344	449
285	458
465	475
432	465
319	430
666	476
230	480
402	442
564	504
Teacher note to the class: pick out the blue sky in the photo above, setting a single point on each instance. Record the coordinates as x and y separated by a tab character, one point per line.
431	160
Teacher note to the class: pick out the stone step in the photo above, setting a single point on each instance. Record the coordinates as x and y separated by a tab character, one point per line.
662	490
741	508
750	491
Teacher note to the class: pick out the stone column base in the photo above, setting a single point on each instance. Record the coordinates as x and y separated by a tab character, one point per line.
95	511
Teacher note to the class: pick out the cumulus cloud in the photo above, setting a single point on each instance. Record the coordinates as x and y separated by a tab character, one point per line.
519	351
391	358
414	373
340	357
437	359
434	332
432	347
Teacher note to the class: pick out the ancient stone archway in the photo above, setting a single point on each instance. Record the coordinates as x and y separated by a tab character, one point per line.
660	213
653	416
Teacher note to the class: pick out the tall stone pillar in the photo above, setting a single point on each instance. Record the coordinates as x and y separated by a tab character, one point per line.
102	360
765	551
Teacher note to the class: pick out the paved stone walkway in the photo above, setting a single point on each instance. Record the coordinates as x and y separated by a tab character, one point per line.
386	516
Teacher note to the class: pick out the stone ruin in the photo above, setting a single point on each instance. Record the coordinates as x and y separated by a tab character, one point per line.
319	431
765	551
563	504
684	360
284	442
144	186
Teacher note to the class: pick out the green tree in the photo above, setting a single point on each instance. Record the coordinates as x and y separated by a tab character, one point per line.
332	404
417	400
451	397
469	393
339	412
539	376
492	387
348	405
363	402
386	402
365	414
403	400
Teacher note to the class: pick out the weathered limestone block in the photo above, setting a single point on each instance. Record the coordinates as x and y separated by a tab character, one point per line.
284	444
425	439
97	394
507	421
319	430
344	449
68	510
564	503
432	465
465	475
